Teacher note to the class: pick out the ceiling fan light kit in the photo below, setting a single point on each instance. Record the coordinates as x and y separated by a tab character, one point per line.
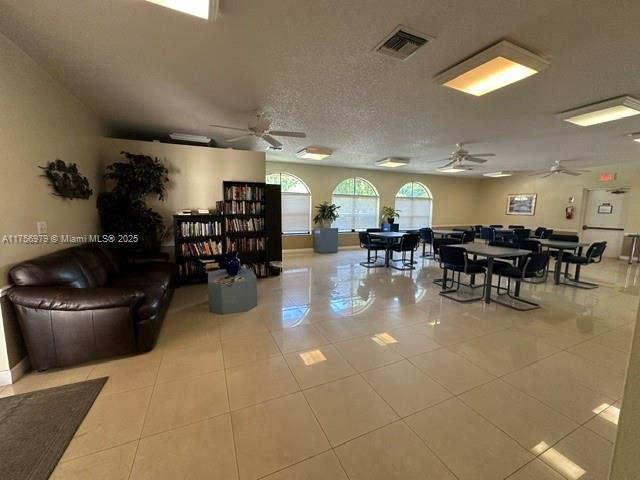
392	162
314	153
491	69
454	169
187	137
635	137
602	112
197	8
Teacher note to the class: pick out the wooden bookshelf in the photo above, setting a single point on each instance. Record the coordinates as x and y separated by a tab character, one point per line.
197	237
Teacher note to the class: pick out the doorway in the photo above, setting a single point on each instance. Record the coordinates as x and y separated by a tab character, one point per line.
604	218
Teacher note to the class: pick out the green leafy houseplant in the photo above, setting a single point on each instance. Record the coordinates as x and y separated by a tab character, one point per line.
326	214
123	210
389	214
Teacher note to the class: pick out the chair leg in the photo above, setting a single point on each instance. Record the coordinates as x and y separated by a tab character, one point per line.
371	263
517	302
450	293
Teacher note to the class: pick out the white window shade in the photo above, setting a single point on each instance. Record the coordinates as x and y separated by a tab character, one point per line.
414	212
356	212
296	210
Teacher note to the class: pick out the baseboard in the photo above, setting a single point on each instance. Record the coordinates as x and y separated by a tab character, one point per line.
310	250
8	377
626	257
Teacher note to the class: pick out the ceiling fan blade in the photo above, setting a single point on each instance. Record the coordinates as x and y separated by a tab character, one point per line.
452	162
472	158
548	174
230	128
271	141
540	172
571	172
483	155
284	133
241	137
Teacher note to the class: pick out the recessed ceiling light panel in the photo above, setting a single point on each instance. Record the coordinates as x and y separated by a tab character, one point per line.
314	153
197	8
392	162
602	112
498	66
496	174
453	169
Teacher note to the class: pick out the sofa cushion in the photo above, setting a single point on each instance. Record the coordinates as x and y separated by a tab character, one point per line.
157	274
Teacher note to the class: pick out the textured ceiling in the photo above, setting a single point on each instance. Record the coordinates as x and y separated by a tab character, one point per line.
310	65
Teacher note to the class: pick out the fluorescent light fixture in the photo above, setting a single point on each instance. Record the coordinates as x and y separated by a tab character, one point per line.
601	112
498	66
635	137
314	153
312	356
452	170
497	174
558	461
197	8
187	137
392	162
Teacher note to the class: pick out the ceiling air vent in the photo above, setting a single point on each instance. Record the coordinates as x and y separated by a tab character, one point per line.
402	43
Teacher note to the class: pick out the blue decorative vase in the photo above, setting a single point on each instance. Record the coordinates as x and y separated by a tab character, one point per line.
232	263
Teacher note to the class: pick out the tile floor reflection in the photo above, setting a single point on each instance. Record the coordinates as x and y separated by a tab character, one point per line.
343	372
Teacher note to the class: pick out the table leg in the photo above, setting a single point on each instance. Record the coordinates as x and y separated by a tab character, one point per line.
473	277
633	249
576	276
487	287
558	269
386	255
444	278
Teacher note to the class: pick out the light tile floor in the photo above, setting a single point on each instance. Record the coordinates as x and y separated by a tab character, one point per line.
348	373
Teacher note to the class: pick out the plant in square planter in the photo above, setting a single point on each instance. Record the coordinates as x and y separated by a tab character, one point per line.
326	214
389	214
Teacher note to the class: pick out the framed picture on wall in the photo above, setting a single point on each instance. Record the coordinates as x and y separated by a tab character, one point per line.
521	203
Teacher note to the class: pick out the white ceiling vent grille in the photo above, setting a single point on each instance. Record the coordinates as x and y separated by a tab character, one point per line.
402	43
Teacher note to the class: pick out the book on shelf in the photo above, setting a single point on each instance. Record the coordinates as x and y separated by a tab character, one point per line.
190	268
244	225
200	229
261	269
209	265
199	249
243	192
245	244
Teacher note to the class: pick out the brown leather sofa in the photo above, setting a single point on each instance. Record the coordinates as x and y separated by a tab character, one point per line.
87	302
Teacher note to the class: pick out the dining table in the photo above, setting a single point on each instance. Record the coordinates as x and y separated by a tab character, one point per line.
389	238
444	233
561	247
491	253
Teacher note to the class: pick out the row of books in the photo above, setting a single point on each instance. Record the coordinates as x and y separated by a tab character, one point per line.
243	192
200	229
240	207
198	249
242	225
260	269
246	244
190	268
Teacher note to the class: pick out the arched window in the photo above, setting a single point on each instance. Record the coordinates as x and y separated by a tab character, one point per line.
296	202
358	201
413	200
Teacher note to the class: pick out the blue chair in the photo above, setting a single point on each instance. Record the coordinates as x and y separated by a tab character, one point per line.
457	260
426	238
488	234
532	266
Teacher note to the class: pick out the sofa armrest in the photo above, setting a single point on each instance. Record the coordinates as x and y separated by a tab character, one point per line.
74	299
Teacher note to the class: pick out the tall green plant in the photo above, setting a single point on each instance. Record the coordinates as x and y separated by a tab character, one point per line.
123	210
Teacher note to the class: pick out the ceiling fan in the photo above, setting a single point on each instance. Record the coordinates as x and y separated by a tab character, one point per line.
460	155
558	168
261	129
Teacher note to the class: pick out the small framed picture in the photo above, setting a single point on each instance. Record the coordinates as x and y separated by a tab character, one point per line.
521	203
605	208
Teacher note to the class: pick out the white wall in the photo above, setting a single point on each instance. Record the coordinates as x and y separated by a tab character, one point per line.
40	121
195	173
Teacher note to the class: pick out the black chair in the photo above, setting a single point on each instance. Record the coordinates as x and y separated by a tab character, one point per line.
408	244
546	233
495	226
537	233
563	238
457	260
496	243
468	236
533	265
365	242
533	246
521	234
515	226
426	238
477	228
593	255
488	234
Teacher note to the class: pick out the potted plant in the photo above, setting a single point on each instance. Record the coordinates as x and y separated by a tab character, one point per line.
123	210
327	213
390	214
